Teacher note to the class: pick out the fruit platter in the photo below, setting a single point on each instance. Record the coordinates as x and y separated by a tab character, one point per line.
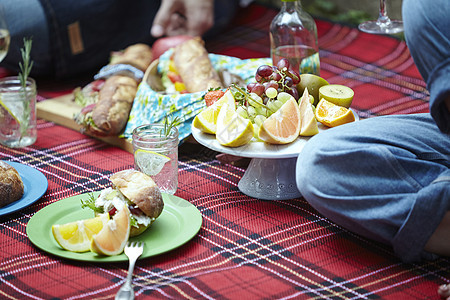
270	121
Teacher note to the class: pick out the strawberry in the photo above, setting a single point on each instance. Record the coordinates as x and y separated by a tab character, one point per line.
212	96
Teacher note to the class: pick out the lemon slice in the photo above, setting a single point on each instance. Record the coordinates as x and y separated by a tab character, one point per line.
7	116
308	119
206	121
76	236
232	129
149	162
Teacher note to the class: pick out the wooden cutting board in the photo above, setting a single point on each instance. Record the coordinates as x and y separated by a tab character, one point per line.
61	110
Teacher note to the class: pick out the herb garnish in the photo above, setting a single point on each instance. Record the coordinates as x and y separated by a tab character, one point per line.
25	70
90	203
169	124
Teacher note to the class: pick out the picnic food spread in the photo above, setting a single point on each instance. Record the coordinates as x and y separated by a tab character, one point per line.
270	109
126	209
11	185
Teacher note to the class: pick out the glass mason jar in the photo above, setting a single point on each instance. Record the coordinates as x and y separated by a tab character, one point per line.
17	112
293	35
156	154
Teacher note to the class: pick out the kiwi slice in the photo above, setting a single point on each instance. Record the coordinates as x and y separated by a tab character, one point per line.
338	94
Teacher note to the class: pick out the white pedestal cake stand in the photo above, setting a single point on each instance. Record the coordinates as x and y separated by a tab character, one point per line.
271	172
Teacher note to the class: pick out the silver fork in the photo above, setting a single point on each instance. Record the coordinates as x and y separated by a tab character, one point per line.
133	250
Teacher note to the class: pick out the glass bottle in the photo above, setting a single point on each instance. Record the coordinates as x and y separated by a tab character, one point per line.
293	35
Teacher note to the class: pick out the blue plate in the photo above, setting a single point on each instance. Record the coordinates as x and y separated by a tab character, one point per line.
35	185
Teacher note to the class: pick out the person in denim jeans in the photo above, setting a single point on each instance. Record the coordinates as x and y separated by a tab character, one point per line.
387	178
72	37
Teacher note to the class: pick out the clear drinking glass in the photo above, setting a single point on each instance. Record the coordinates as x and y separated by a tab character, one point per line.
383	25
17	112
4	35
156	154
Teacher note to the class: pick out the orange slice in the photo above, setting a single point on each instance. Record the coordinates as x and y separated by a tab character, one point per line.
283	126
111	240
333	115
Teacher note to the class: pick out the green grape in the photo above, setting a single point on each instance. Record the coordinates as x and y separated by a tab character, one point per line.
271	92
278	103
256	100
251	112
261	110
259	120
272	106
283	97
242	112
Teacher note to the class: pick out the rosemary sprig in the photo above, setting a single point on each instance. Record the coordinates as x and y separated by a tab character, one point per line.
25	68
169	124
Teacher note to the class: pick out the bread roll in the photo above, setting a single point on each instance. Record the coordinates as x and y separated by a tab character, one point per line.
11	185
140	189
137	55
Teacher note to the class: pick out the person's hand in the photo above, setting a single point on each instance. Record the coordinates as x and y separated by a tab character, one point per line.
183	17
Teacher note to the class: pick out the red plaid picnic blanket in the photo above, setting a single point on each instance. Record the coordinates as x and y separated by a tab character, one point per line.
246	248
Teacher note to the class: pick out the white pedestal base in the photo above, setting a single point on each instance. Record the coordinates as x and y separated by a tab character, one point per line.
270	179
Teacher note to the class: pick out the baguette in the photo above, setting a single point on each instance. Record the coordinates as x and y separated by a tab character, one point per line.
108	114
194	66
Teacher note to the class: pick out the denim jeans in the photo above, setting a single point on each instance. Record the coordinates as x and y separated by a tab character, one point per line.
72	37
388	178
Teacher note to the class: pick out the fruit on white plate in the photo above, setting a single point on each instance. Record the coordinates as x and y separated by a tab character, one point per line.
313	83
338	94
232	129
206	120
282	127
309	122
333	115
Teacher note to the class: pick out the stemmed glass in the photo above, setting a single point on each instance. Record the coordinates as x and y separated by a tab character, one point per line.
4	35
383	25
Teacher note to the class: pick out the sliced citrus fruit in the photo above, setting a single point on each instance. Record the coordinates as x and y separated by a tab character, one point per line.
111	240
206	121
232	129
309	122
338	94
283	126
333	115
76	236
149	162
12	124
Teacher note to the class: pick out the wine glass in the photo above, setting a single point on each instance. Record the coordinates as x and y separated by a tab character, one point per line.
4	35
383	25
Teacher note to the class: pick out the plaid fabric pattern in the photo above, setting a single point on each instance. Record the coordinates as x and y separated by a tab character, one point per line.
246	248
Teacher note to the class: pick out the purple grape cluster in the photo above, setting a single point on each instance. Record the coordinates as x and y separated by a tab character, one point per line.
280	77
